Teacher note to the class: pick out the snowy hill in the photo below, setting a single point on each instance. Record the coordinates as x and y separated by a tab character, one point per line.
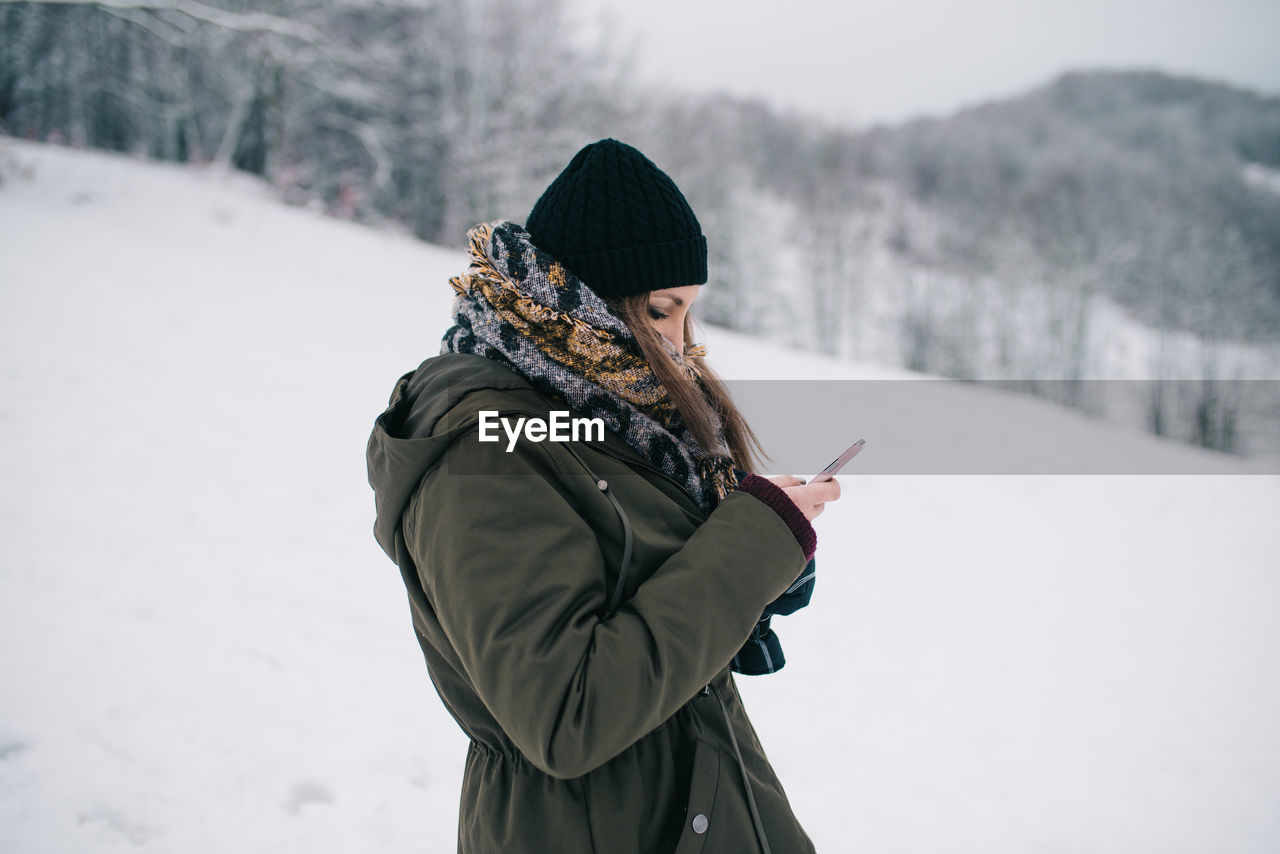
205	651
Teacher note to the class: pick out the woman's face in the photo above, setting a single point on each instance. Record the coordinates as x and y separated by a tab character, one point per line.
667	308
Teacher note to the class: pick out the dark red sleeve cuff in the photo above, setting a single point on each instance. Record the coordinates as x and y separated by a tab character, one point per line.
770	493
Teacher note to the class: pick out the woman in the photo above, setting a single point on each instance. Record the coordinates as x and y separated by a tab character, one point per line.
580	604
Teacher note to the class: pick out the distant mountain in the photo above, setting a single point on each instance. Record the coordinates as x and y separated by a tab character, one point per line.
1160	191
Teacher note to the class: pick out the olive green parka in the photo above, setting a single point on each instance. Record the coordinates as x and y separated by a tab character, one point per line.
617	733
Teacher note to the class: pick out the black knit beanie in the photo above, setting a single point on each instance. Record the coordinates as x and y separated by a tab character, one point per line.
619	223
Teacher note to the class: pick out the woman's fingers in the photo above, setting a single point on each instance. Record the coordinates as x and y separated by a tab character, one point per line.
827	490
812	498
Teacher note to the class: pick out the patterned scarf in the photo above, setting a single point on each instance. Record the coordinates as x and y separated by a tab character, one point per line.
521	307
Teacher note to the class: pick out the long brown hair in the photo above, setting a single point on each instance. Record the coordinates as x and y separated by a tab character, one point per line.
698	409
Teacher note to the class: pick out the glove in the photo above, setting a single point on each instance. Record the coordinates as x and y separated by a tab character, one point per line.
762	653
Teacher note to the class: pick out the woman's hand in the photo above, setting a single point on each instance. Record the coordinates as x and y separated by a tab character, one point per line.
811	498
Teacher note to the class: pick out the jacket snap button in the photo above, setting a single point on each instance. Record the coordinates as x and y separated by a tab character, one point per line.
700	823
602	484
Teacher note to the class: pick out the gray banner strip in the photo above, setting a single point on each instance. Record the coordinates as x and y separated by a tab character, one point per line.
941	426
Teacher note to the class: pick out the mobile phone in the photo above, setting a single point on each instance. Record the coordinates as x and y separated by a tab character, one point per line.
838	462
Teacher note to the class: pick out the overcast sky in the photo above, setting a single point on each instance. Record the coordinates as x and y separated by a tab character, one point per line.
888	61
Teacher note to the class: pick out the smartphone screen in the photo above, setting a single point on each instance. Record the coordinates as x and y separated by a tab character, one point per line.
838	463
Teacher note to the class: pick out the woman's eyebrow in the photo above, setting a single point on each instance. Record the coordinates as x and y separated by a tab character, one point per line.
675	299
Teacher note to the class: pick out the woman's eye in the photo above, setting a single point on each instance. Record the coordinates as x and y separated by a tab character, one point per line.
655	314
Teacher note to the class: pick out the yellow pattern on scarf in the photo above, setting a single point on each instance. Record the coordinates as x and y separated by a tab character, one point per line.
596	354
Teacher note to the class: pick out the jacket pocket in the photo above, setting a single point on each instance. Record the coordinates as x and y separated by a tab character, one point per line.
703	783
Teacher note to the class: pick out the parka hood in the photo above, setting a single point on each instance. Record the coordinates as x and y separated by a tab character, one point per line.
401	448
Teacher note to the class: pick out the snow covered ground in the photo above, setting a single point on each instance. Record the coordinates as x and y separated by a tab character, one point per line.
203	649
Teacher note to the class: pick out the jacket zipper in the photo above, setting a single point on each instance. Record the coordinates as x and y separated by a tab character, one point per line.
609	452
